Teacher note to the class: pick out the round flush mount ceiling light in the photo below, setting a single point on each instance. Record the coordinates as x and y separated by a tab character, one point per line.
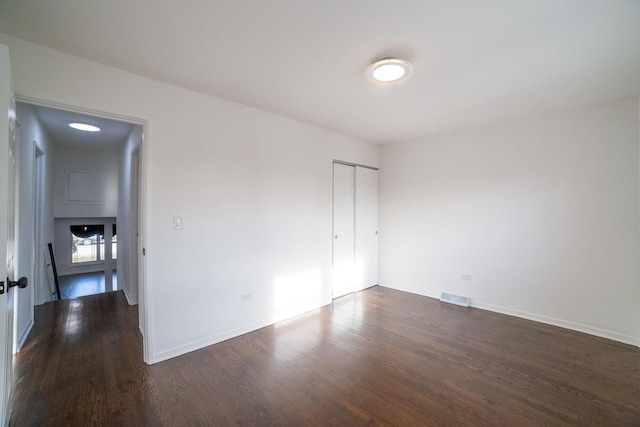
389	70
84	127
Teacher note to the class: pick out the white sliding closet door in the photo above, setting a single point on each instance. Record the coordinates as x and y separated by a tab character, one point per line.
355	228
366	227
343	229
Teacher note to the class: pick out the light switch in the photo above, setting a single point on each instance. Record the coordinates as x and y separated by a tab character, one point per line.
177	223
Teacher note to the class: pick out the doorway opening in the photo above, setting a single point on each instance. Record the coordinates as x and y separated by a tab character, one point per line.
79	180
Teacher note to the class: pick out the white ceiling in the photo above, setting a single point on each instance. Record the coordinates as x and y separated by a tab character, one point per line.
112	136
475	62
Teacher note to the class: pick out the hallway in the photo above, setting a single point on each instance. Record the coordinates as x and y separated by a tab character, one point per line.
82	365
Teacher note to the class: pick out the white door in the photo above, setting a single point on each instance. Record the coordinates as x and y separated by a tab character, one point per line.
366	227
344	268
7	228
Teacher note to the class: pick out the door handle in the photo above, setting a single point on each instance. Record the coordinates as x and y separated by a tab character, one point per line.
21	283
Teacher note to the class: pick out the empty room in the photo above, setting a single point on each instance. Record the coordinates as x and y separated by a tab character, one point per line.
328	213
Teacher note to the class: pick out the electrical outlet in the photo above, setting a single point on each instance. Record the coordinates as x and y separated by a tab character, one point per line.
177	223
465	277
246	297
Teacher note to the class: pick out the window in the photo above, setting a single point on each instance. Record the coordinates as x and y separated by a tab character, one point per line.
88	245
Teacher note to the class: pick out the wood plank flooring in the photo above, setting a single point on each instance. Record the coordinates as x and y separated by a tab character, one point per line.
379	357
82	285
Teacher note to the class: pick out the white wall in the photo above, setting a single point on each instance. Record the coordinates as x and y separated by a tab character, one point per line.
72	159
543	214
254	190
38	291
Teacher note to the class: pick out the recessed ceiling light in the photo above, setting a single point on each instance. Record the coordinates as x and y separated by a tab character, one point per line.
388	70
84	126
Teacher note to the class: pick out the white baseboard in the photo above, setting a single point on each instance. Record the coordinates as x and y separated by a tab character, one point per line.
207	341
25	333
435	295
126	294
223	336
566	324
587	329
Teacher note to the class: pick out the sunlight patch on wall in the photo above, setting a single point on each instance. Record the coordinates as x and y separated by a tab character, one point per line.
347	277
297	293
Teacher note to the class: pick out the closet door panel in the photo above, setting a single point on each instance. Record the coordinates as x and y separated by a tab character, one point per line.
344	274
366	227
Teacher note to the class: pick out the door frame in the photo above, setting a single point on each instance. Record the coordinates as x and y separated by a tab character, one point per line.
143	287
134	240
39	261
355	166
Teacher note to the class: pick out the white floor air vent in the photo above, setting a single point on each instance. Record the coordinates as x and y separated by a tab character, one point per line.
455	299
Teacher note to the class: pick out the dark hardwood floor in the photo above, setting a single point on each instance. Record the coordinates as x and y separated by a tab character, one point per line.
81	285
379	357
